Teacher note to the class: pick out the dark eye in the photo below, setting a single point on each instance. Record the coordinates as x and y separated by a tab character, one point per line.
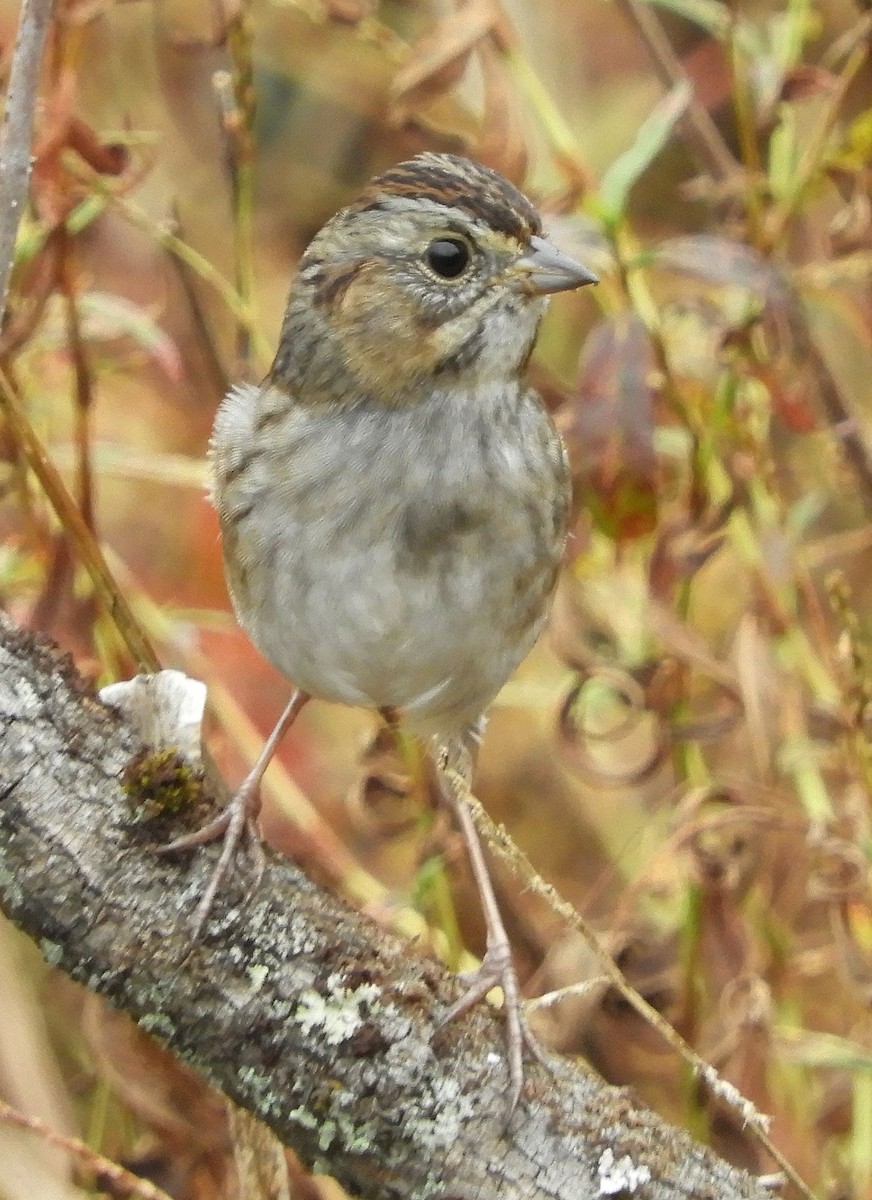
448	257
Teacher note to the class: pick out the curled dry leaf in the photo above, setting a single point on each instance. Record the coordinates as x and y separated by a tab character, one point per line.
743	1047
838	872
667	682
724	852
617	727
683	547
748	1001
57	179
385	800
609	427
725	848
628	748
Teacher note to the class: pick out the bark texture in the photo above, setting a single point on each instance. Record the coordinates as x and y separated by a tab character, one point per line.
299	1008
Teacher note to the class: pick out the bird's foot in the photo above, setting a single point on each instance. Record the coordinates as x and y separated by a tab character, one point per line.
498	970
234	826
237	823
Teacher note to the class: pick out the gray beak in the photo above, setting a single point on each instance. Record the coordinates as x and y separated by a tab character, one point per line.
544	269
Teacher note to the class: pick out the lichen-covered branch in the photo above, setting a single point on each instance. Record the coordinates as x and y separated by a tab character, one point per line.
299	1008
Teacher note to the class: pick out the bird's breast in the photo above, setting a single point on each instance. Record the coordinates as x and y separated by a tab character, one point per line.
400	558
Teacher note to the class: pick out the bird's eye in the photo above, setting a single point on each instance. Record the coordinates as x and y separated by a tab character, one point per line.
448	257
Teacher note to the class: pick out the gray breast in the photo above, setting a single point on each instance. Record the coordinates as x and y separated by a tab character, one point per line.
399	558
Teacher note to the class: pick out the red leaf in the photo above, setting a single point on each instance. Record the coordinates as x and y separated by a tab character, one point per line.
608	422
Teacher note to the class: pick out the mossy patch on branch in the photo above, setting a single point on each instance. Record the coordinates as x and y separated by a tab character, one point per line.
161	784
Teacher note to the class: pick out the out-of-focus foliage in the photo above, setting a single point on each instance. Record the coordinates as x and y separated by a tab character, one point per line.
690	761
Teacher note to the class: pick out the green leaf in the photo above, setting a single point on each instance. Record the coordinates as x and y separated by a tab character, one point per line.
856	149
784	153
650	140
33	234
710	15
823	1050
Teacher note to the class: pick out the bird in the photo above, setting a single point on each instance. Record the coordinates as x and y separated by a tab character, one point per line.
394	497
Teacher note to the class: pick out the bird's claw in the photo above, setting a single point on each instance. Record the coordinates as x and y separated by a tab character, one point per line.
498	970
235	825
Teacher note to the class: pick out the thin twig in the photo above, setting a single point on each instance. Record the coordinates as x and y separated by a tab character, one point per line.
238	101
124	1182
206	271
807	170
499	843
700	129
83	389
15	161
73	522
205	338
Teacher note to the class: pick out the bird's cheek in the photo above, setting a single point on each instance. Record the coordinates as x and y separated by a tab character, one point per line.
385	345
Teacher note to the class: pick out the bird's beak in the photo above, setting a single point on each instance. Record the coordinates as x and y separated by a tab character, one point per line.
544	269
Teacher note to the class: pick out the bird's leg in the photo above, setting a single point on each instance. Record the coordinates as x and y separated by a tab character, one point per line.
238	820
497	968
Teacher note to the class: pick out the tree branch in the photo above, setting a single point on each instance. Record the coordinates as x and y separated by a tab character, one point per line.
18	130
301	1009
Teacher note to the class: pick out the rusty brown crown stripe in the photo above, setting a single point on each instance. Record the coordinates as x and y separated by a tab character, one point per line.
457	183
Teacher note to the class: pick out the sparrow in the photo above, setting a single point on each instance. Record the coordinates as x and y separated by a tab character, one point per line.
393	497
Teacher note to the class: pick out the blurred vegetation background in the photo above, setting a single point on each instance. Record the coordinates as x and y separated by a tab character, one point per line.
688	757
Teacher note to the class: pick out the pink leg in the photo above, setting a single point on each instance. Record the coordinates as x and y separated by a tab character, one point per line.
238	820
497	968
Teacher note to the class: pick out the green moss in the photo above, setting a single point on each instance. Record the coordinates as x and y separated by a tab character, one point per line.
160	783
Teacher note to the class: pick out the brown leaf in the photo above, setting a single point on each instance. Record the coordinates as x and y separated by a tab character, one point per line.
81	12
610	429
106	158
349	12
791	396
501	142
806	80
684	545
722	261
261	1167
439	59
